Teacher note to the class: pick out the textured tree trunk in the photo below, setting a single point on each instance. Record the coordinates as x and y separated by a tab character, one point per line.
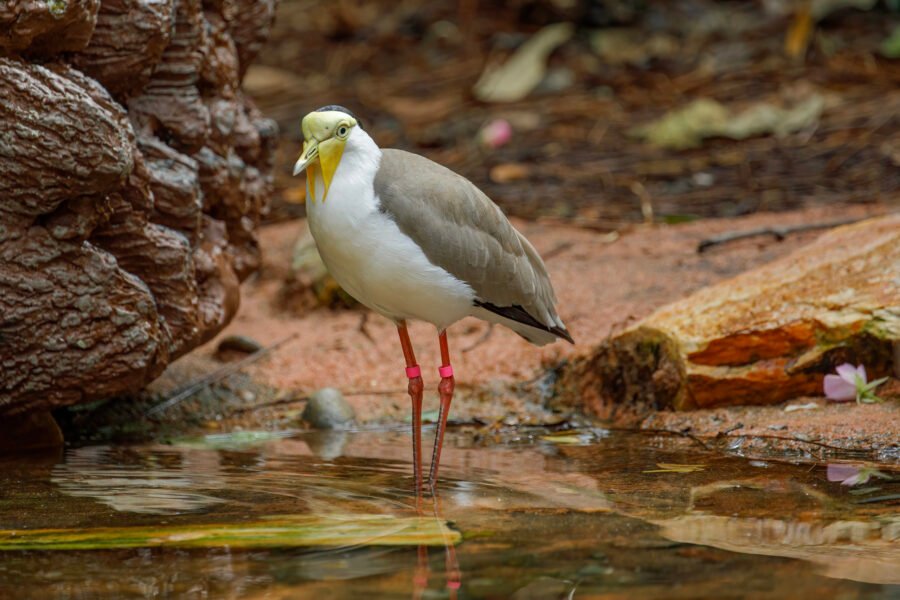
768	335
133	174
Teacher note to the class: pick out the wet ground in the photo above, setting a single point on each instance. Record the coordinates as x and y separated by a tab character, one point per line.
527	514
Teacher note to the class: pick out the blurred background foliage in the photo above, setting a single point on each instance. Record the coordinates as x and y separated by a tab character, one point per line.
606	112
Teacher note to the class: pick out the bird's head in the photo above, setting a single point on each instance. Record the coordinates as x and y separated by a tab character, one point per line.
325	134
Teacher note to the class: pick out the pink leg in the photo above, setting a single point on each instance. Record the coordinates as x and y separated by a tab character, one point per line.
416	388
445	389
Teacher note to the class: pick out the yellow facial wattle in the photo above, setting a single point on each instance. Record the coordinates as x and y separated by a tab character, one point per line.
326	134
311	183
330	152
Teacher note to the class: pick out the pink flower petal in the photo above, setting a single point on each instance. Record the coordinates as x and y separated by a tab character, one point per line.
837	388
842	473
496	133
848	372
861	371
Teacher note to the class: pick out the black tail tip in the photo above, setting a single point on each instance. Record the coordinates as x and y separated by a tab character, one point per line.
562	332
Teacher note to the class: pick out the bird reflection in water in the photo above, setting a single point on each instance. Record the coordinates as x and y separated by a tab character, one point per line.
421	574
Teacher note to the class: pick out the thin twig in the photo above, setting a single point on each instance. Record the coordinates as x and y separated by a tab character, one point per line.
363	321
215	376
697	440
559	249
481	339
887	498
723	436
777	231
279	402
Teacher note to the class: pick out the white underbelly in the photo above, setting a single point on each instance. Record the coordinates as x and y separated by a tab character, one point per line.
377	264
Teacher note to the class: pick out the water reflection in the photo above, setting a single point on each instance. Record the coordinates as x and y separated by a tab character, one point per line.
140	482
540	518
867	551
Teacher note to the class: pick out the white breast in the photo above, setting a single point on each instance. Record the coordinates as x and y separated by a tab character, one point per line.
370	257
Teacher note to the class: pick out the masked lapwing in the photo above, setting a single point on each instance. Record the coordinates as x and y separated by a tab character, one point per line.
411	239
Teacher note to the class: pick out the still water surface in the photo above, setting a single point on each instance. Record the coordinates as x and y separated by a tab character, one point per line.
590	515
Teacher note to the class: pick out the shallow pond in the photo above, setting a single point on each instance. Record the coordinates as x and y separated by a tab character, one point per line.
590	514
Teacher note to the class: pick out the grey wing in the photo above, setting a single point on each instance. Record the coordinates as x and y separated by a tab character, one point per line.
462	231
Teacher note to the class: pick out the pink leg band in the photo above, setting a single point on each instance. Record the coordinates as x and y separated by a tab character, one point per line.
446	371
413	372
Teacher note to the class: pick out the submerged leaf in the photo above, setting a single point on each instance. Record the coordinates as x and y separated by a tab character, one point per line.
571	439
274	532
234	440
676	468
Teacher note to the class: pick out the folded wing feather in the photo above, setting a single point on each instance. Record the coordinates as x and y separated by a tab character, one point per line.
462	231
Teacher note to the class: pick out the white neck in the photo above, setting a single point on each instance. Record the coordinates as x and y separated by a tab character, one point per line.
361	151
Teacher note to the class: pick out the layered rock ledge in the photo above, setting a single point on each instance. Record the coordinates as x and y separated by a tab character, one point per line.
768	335
133	175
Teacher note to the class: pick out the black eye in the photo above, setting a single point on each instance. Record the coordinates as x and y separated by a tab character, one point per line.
342	130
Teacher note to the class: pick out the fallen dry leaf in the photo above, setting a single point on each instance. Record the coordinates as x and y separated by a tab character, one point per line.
507	172
295	195
688	126
518	76
795	407
618	46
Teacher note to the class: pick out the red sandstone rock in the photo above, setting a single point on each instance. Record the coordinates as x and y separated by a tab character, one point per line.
763	337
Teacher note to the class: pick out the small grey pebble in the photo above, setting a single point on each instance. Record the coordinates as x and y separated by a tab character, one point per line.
327	409
239	343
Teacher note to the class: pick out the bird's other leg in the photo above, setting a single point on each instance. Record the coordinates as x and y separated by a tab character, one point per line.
416	388
445	390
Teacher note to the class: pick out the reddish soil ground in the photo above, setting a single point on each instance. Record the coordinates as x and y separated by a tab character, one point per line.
603	281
